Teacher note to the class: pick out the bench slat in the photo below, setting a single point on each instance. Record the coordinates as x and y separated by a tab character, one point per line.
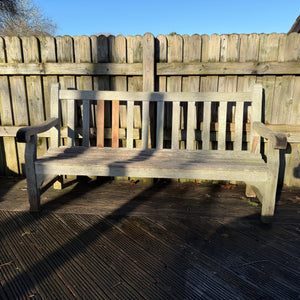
238	130
55	113
71	123
145	124
175	125
86	123
100	123
160	125
130	106
206	126
190	135
96	161
115	124
222	125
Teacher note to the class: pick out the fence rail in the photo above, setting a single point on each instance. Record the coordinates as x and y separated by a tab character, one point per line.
174	63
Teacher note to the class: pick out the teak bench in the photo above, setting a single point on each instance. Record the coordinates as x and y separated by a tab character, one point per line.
207	163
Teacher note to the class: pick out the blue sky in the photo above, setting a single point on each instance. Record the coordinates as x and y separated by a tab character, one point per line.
88	17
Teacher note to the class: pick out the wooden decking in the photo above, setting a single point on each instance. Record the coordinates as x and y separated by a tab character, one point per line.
122	240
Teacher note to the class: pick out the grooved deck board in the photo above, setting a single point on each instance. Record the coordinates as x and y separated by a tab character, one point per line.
128	240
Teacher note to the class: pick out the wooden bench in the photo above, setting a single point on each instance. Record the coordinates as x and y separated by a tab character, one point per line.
213	161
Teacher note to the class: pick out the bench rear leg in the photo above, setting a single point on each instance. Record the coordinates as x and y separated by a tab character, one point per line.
249	191
58	184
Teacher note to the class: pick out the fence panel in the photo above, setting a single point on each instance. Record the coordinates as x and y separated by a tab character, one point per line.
29	65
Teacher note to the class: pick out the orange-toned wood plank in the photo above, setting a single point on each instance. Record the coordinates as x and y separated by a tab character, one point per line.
100	123
115	124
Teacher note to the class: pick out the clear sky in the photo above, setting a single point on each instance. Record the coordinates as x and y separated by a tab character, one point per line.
132	17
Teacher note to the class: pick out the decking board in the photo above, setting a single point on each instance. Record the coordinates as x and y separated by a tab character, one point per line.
129	240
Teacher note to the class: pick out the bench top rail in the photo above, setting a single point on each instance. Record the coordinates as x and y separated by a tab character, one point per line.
156	96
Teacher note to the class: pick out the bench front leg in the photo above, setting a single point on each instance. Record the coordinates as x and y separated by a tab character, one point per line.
32	184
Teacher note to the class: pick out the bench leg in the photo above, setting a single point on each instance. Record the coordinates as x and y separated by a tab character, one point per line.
266	193
249	191
268	202
33	189
58	184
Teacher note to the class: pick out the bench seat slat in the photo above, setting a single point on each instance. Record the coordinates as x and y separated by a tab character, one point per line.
103	162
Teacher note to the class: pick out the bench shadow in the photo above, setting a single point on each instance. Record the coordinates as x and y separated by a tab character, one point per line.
78	245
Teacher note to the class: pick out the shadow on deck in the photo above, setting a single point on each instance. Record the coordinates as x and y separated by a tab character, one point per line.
121	240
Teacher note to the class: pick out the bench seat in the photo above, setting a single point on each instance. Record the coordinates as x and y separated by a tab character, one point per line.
153	163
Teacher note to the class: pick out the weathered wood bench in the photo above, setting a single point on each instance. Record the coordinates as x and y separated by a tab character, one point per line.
220	163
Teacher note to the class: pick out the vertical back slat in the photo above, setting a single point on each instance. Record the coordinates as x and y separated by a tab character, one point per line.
115	124
55	113
86	123
238	131
100	123
190	135
130	105
145	123
175	125
160	125
256	110
71	123
206	126
222	126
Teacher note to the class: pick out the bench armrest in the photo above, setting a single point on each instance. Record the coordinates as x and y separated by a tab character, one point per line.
278	139
24	134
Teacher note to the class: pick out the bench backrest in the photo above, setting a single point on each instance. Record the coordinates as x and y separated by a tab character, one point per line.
244	107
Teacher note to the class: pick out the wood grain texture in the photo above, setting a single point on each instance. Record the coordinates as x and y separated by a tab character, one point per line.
9	151
18	93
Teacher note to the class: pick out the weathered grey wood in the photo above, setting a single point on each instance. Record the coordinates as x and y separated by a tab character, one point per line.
18	92
48	55
24	134
34	89
175	125
55	113
9	155
256	115
166	163
222	126
206	126
145	125
174	84
155	96
238	131
71	124
31	174
130	105
190	135
277	139
135	83
163	69
160	125
86	124
148	86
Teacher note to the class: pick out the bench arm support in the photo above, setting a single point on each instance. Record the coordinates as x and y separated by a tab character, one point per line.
277	139
24	134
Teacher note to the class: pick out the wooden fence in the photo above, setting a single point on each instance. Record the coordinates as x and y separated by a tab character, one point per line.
29	65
